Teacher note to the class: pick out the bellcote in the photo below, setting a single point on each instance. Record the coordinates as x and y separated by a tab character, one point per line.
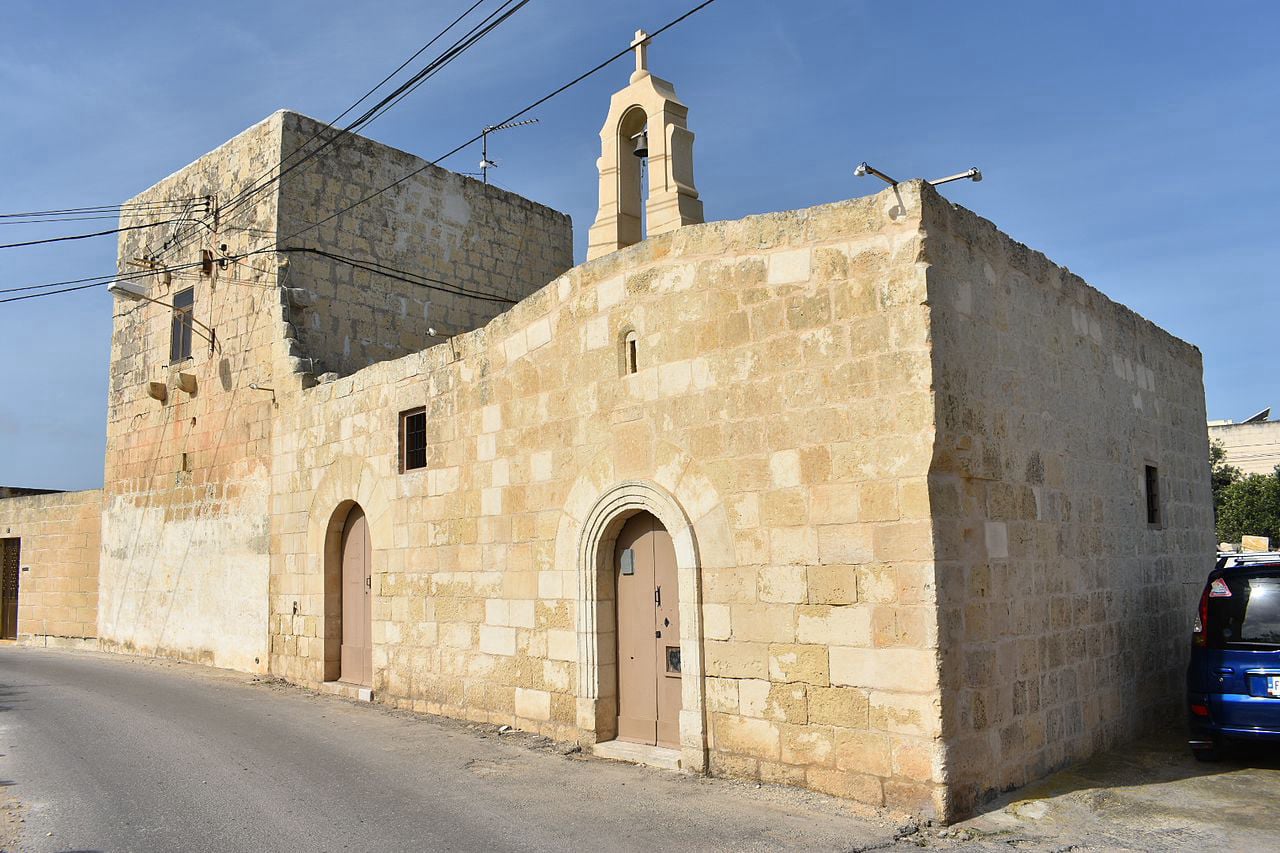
649	106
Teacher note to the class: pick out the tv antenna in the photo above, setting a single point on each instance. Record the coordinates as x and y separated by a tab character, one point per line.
485	163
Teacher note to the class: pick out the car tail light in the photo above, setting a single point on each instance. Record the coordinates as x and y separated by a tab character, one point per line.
1199	710
1198	635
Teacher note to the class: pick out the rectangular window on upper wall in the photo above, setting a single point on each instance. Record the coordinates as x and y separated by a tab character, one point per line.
413	439
184	302
1153	495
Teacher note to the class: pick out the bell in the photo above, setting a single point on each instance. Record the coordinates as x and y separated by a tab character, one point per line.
642	144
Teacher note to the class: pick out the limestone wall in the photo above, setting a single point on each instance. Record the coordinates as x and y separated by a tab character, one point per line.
780	425
448	232
59	538
1253	448
187	479
1065	616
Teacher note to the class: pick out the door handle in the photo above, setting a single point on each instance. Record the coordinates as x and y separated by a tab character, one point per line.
657	596
1224	670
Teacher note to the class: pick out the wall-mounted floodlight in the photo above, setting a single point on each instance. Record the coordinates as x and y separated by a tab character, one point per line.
864	168
137	293
971	174
127	290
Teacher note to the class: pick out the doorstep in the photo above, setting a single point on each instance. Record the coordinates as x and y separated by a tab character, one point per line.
357	692
639	753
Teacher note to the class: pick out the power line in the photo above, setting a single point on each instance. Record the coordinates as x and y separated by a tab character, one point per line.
479	31
575	81
86	236
105	208
514	116
405	89
50	292
330	125
102	279
93	281
114	216
406	276
241	199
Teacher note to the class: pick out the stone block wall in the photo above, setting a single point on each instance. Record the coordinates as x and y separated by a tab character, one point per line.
59	538
1253	448
1065	617
782	417
186	531
454	252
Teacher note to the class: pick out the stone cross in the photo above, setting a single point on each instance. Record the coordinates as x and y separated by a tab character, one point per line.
641	45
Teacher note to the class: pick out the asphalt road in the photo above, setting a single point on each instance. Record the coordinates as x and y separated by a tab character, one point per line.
103	752
112	753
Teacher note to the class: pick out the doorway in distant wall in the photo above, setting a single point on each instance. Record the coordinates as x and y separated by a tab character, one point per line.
356	552
10	556
648	604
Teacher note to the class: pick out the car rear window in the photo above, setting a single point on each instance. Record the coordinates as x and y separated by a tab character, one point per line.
1247	617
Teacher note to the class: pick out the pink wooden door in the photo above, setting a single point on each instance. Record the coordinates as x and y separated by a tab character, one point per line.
648	634
357	622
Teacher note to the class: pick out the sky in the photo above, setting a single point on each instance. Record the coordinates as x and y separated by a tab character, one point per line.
1134	142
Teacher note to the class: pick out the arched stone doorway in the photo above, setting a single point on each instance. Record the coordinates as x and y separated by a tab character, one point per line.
647	597
349	598
602	536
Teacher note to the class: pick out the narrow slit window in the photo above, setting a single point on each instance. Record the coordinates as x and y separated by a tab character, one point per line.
631	353
1153	495
180	336
413	439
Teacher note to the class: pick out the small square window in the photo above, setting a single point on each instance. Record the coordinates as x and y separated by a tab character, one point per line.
413	439
1153	495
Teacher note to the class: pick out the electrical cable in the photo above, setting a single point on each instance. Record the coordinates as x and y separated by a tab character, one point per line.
113	216
105	208
238	201
252	188
487	25
405	276
86	236
275	247
473	140
425	74
49	293
103	279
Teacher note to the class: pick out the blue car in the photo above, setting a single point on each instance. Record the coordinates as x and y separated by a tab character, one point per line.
1233	682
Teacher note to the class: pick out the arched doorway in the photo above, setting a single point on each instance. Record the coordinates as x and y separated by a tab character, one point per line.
355	593
648	633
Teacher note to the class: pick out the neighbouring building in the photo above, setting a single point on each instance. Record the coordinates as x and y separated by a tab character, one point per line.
1253	445
866	498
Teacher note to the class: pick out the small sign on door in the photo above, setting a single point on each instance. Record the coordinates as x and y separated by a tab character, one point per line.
628	562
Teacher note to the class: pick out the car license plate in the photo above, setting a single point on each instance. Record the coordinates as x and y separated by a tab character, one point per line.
1273	685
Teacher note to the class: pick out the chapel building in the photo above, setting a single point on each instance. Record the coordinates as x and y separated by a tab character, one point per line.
866	498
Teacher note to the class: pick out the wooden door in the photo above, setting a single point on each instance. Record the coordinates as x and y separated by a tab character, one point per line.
648	634
357	610
9	560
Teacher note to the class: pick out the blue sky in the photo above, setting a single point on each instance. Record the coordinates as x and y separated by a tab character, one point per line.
1135	142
